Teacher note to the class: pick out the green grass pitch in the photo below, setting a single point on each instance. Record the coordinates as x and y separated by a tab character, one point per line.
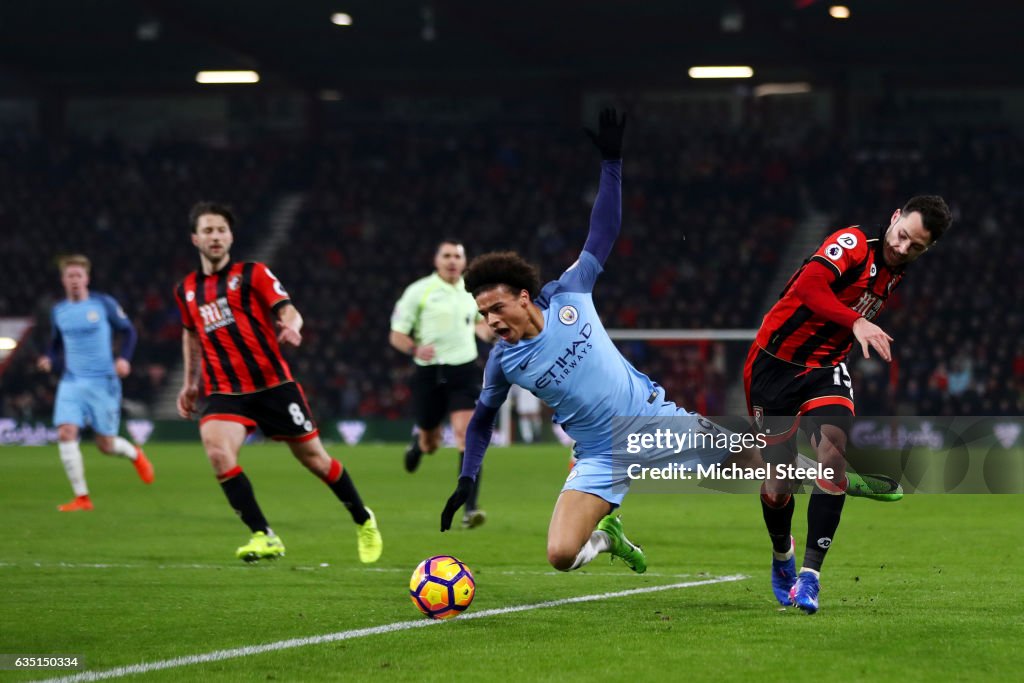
924	589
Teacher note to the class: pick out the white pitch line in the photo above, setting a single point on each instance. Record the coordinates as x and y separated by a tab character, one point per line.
249	650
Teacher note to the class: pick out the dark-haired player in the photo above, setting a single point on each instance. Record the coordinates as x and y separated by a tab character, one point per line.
795	375
552	343
235	316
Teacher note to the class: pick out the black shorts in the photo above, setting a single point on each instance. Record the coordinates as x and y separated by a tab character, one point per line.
440	389
280	412
777	389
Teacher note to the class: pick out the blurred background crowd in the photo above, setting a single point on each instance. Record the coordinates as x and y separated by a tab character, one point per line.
709	211
363	133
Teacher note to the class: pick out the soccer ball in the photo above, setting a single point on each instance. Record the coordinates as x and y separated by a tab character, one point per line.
442	587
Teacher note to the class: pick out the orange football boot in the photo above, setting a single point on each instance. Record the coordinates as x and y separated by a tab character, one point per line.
143	466
79	503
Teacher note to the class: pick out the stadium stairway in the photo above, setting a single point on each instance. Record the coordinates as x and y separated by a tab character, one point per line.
805	240
283	218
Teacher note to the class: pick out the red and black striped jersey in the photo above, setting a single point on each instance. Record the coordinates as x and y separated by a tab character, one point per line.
232	312
862	282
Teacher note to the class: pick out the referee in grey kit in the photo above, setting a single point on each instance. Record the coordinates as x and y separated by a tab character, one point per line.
436	322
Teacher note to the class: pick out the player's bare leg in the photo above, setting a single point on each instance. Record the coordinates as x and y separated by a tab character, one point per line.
430	439
120	447
460	420
473	516
314	457
573	540
222	440
425	441
71	458
571	535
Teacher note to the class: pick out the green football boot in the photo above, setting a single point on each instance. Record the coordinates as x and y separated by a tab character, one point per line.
622	547
261	547
874	486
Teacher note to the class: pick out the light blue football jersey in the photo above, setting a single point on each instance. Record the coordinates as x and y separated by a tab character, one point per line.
85	329
573	366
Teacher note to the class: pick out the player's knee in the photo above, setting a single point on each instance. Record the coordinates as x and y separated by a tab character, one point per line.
775	500
221	457
67	432
105	444
561	557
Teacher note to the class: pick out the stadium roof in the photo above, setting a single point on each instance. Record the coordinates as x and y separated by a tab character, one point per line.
127	46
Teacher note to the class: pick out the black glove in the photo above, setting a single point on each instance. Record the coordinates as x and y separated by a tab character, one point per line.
456	501
608	137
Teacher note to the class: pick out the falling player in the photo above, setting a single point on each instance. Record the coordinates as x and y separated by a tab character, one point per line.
553	343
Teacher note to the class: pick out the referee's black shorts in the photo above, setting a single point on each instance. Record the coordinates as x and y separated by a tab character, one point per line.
440	389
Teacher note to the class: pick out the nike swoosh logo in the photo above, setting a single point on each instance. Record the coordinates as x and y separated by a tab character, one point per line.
522	366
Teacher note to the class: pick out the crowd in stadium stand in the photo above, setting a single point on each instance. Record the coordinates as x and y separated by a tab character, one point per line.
701	231
127	210
707	214
956	318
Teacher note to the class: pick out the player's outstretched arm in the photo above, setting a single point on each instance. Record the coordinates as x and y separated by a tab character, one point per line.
606	216
478	433
478	437
813	288
871	335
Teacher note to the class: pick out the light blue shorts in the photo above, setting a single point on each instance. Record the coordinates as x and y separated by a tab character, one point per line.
89	402
605	475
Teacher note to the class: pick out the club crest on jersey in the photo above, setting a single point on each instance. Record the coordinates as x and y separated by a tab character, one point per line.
833	251
759	417
567	315
234	282
847	240
874	270
190	296
92	316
